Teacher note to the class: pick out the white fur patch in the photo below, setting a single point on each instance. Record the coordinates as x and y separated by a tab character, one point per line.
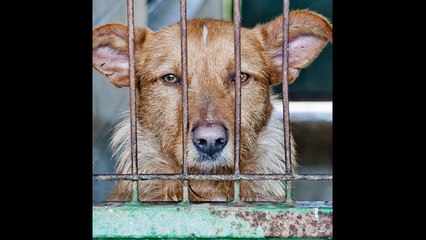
205	33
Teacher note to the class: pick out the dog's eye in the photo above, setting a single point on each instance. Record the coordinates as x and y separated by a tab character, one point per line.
170	78
244	77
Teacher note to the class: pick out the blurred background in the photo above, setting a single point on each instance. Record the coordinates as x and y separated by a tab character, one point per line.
310	95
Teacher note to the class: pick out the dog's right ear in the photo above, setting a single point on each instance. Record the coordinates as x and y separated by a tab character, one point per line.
111	54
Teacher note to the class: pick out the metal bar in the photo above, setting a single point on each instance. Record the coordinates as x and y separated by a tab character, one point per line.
133	122
118	177
286	115
287	147
135	192
213	221
184	62
237	55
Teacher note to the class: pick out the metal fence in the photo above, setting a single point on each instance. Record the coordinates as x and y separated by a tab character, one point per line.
301	213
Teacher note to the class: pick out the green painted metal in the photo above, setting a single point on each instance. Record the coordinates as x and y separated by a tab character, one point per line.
135	192
207	238
289	201
305	220
237	198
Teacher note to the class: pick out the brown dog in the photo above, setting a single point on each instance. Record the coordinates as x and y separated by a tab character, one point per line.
211	102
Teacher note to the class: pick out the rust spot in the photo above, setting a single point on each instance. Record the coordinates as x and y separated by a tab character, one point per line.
289	224
293	230
219	213
219	230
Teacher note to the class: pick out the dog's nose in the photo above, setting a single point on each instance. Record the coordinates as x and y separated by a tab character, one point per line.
209	138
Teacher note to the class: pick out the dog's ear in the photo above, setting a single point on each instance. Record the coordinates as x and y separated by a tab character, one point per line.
110	51
309	33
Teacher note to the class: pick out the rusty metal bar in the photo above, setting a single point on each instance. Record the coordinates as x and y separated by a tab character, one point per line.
287	146
118	177
286	115
184	62
237	55
133	121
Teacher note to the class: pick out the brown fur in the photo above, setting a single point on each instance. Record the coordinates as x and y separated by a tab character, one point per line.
211	96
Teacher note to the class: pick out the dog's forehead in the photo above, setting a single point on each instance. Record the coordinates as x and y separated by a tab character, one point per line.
210	48
208	32
203	33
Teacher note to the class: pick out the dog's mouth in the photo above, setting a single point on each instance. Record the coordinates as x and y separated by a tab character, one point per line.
203	164
216	157
218	163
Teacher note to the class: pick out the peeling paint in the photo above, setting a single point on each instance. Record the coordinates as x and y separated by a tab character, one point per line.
290	224
212	220
219	213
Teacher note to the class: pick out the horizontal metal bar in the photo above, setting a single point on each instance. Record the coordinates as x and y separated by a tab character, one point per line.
118	177
305	220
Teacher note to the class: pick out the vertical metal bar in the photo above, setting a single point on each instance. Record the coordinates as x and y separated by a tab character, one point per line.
286	120
133	122
237	54
184	61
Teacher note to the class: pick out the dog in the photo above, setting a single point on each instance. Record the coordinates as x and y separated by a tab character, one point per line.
211	93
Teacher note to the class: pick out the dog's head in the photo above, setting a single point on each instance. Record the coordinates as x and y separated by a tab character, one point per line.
211	78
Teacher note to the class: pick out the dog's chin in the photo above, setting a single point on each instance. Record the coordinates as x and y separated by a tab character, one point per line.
206	164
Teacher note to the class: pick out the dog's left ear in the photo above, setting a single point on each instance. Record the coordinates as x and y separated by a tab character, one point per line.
309	33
